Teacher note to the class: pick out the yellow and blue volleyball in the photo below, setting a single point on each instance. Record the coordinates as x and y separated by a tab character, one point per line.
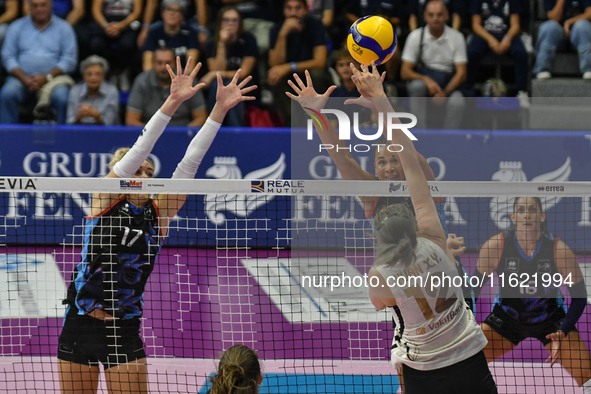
371	38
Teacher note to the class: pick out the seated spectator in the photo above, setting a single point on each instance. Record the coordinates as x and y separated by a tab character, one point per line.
174	33
111	35
151	88
239	371
232	48
496	30
195	14
258	19
37	51
416	11
94	100
298	43
322	10
434	61
8	13
70	10
347	87
570	20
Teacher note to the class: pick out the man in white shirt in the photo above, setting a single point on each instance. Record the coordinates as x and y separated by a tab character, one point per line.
438	69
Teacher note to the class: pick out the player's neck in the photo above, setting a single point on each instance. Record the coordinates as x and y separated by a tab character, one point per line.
528	241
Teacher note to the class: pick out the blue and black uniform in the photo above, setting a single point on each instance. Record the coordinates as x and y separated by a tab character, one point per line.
522	312
120	247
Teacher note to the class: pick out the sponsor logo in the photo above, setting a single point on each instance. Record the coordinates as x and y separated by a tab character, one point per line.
394	187
512	264
421	331
257	187
544	266
17	184
551	188
130	185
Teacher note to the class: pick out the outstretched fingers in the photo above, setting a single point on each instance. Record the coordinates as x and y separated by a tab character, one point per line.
244	82
299	81
236	76
308	79
248	89
294	87
195	69
170	72
179	69
329	91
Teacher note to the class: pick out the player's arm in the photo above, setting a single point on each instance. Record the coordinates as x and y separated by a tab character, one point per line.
226	98
488	260
380	295
568	267
369	84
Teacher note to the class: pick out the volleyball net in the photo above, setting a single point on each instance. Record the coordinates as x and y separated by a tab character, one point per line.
276	265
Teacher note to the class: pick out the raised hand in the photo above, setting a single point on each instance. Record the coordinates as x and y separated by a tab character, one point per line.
181	85
228	96
307	96
368	83
364	101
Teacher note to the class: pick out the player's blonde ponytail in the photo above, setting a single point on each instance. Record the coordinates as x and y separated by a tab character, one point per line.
395	228
238	372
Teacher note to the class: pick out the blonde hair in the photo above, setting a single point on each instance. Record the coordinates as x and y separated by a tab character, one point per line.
238	372
118	155
396	231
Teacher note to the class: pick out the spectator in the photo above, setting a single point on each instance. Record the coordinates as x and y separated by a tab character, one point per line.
150	90
566	18
94	100
496	29
232	48
347	87
258	19
323	10
8	12
434	61
416	10
70	10
172	32
38	50
111	35
195	13
298	44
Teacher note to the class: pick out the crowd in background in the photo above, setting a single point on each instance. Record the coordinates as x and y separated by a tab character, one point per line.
104	61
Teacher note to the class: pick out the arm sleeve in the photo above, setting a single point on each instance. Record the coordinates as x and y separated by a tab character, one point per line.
127	167
69	56
72	105
411	50
9	48
578	294
189	165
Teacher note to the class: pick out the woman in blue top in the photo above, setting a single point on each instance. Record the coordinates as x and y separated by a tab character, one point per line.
123	236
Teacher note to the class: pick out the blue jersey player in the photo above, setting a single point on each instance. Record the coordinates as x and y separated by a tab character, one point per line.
123	235
536	309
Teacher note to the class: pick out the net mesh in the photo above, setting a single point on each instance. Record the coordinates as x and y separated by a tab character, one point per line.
233	271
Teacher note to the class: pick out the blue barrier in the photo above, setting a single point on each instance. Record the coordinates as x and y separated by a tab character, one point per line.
456	155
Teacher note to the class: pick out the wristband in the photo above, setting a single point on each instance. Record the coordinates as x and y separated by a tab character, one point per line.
294	66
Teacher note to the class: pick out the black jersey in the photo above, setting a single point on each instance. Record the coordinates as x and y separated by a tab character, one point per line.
120	247
531	304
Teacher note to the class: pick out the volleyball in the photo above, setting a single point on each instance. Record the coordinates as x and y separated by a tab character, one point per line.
371	38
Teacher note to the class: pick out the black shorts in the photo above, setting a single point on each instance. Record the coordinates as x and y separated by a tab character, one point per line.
469	376
88	341
515	332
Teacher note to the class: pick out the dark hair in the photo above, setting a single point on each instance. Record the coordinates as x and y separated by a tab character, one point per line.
164	48
238	372
301	1
221	13
395	228
538	201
